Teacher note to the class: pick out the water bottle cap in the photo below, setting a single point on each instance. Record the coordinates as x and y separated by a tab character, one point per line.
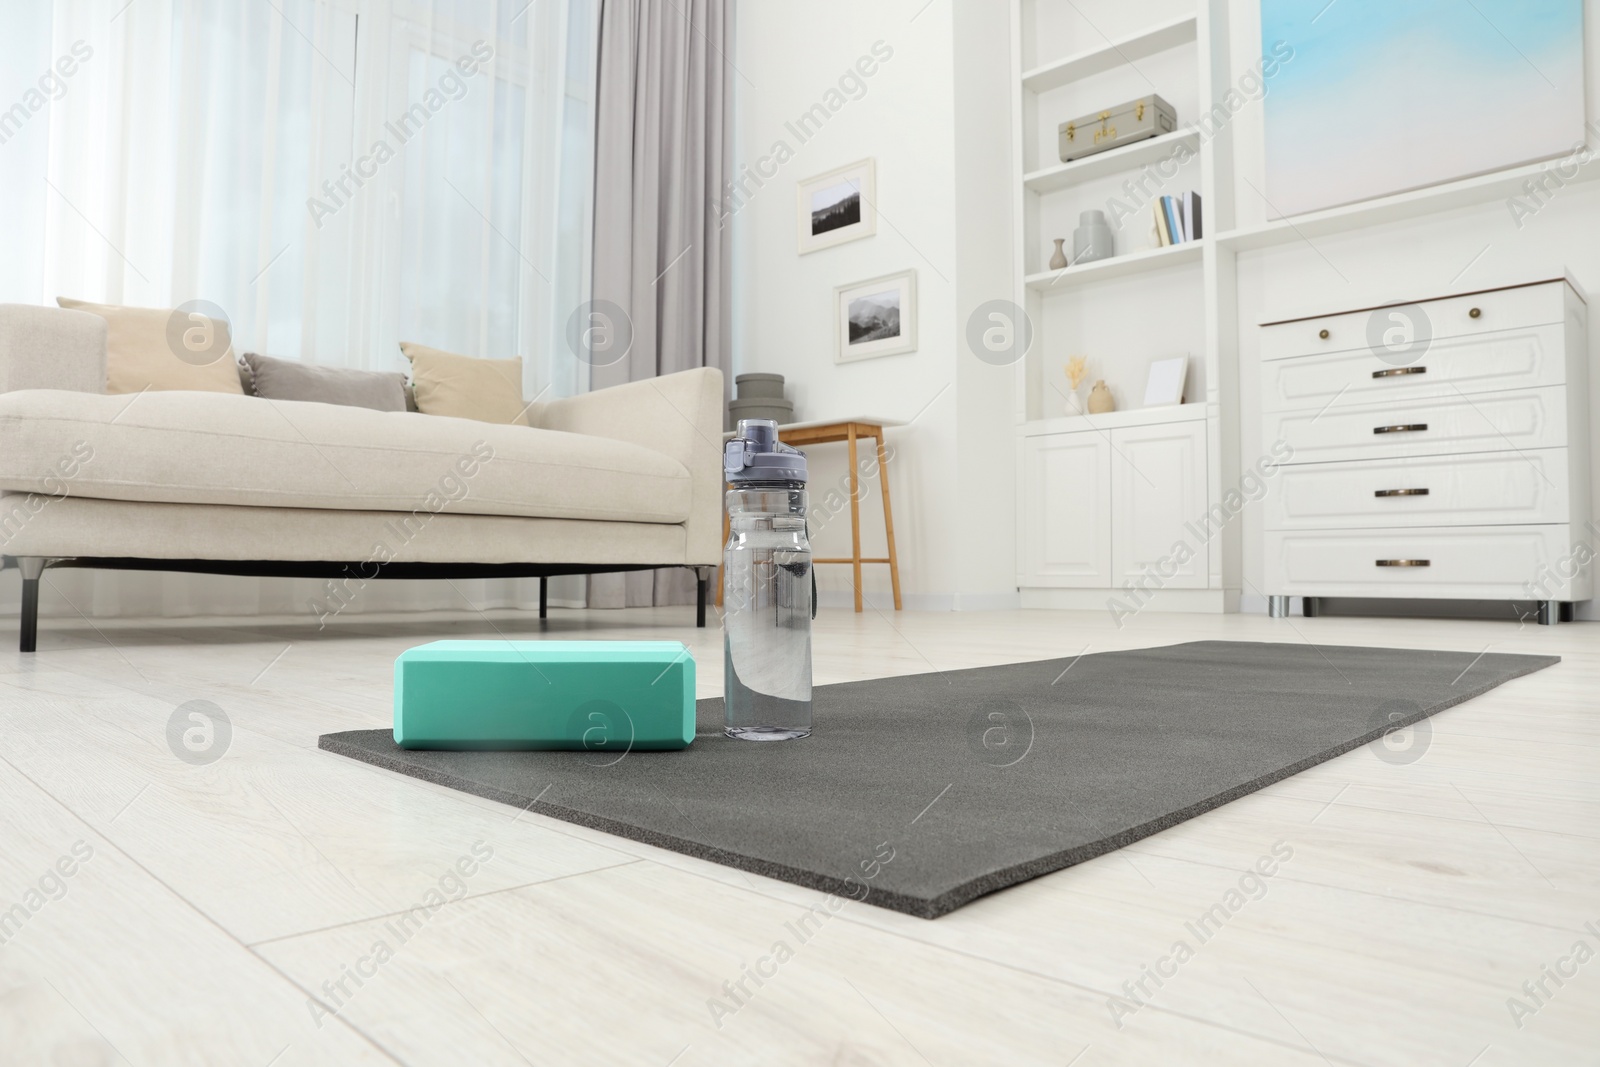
756	455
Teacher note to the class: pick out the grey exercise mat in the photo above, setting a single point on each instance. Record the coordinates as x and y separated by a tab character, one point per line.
979	779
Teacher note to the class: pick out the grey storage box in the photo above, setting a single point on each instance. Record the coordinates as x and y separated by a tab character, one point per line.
1137	120
761	407
756	385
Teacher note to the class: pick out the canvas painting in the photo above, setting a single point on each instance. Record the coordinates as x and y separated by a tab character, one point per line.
1374	97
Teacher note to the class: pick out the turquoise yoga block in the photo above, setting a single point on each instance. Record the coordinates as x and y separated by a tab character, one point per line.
603	696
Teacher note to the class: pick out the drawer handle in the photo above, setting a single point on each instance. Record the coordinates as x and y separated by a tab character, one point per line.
1404	562
1400	492
1475	313
1394	372
1409	427
1323	334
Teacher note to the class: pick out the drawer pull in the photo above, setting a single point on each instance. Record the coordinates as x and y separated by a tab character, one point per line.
1474	313
1394	372
1400	492
1322	334
1409	427
1403	563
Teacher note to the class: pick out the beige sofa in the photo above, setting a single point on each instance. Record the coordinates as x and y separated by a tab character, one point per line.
627	478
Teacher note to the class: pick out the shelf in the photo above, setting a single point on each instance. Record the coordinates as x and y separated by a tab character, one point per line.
1467	192
1064	175
1056	281
1113	420
1110	55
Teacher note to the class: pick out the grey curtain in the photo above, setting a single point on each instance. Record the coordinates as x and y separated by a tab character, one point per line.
663	155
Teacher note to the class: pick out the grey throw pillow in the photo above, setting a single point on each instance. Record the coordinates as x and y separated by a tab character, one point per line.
285	379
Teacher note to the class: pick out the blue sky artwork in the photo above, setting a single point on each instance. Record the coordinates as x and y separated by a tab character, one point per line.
1383	96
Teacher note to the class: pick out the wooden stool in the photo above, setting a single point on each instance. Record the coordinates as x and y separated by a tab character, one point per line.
816	433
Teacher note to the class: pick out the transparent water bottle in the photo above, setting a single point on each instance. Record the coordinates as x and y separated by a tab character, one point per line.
767	599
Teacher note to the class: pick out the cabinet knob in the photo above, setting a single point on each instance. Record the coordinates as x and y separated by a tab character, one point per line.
1323	334
1475	313
1397	371
1407	427
1399	492
1403	562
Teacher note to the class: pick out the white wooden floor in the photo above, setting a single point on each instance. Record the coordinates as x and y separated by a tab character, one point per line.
1416	901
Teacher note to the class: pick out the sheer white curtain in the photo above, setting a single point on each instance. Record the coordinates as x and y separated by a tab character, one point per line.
336	175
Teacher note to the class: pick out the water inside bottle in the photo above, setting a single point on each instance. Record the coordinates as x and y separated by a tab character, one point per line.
767	630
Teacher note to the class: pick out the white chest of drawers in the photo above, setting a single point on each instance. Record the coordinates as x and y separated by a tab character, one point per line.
1436	450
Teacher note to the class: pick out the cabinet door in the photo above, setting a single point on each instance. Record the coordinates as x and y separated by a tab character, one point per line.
1065	494
1158	502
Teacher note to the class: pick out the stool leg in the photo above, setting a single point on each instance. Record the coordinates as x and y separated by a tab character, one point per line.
855	516
544	597
888	519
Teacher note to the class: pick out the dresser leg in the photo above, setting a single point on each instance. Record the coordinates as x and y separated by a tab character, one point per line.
1278	607
1549	612
1311	606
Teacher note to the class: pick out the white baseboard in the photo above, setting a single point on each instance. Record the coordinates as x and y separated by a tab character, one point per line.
883	601
1188	601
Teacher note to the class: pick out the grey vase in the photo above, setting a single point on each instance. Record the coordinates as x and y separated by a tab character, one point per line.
1093	238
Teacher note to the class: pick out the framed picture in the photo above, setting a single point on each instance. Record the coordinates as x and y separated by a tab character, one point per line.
1483	86
877	317
838	206
1167	378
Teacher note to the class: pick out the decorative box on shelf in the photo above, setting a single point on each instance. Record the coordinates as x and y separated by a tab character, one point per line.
1437	450
1137	120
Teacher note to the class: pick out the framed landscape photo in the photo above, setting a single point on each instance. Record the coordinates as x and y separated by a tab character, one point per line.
877	317
838	206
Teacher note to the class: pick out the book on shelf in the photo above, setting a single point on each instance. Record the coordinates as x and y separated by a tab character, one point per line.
1177	219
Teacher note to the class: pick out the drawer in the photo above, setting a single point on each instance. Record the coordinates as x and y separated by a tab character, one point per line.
1485	489
1491	362
1369	330
1463	562
1490	422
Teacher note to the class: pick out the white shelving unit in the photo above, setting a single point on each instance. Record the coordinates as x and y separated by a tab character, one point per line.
1049	281
1102	500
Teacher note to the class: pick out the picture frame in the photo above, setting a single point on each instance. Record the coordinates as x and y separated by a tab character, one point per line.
1167	379
875	317
837	206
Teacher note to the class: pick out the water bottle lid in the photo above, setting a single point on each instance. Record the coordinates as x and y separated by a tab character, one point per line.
756	455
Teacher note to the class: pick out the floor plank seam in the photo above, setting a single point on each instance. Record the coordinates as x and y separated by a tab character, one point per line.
449	903
1012	967
226	933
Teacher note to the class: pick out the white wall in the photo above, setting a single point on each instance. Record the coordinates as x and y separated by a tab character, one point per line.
943	194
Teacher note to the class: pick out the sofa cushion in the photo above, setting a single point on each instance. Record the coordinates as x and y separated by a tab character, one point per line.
162	348
209	448
288	379
464	387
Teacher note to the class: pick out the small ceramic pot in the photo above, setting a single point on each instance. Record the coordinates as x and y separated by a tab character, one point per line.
1100	400
1059	260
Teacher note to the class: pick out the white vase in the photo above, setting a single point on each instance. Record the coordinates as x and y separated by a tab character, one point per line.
1074	404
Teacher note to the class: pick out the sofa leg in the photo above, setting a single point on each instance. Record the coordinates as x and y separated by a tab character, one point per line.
32	568
544	597
700	585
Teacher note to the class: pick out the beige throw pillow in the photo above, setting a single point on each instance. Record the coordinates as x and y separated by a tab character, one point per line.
489	390
158	348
